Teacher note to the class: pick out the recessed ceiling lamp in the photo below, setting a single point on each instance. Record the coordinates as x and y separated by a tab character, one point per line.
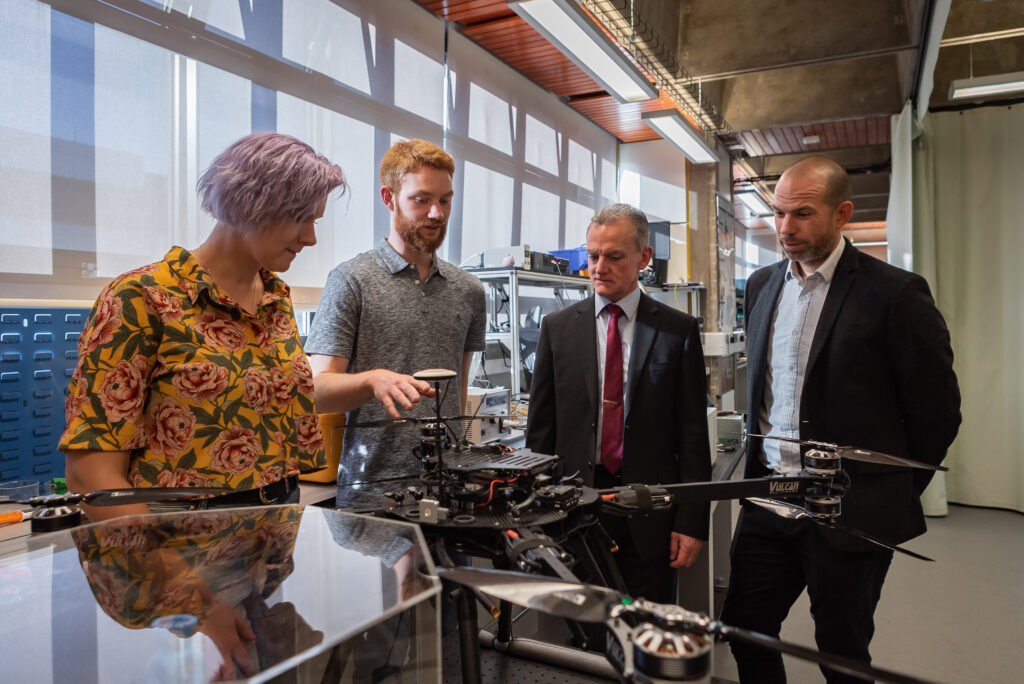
811	139
755	203
982	86
581	39
678	131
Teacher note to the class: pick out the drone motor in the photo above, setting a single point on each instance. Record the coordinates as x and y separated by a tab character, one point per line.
821	462
823	507
670	654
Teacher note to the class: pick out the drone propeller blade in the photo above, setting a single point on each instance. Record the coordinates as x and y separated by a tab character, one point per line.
793	512
886	545
842	664
868	456
387	422
120	497
857	454
779	438
780	508
117	497
580	602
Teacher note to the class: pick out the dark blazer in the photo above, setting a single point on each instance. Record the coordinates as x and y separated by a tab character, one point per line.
666	433
879	376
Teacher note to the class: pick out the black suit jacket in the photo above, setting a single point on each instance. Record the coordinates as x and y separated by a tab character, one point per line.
879	376
666	434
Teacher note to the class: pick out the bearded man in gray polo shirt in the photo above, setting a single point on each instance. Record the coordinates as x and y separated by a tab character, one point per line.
388	313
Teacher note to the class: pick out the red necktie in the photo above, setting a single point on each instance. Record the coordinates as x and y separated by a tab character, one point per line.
611	423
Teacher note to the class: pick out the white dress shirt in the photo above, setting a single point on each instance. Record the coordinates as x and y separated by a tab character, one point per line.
793	325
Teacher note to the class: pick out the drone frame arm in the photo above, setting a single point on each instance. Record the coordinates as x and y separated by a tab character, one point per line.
796	485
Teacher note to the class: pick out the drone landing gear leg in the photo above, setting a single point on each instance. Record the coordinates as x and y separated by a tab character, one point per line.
468	635
504	634
604	563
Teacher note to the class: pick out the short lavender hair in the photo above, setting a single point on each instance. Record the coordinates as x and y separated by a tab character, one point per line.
267	177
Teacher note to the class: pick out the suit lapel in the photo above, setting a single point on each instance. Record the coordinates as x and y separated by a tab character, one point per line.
644	332
760	327
584	331
837	291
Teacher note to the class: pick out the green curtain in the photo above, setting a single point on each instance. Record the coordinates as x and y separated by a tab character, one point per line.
968	241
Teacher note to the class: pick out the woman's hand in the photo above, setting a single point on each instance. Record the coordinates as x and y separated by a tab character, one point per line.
229	631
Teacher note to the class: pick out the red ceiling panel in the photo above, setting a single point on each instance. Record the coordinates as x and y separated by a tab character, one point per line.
621	120
468	11
832	135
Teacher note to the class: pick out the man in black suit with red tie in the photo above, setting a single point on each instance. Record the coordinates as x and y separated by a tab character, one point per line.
619	392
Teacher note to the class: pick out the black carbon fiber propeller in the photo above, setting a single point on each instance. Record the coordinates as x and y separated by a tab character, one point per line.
856	453
121	497
388	422
588	603
794	512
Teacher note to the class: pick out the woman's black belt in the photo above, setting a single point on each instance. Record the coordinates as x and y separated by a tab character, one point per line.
257	497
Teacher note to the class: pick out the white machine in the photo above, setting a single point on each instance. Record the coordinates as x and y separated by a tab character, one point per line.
482	401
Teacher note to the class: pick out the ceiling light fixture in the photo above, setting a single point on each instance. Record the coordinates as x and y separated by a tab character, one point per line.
811	139
585	42
681	133
755	203
982	86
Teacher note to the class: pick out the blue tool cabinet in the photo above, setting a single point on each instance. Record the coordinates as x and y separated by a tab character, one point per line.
38	353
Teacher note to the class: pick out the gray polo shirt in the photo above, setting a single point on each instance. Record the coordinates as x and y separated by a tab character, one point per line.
375	312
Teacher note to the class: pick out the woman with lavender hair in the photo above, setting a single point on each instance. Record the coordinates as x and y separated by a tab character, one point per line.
191	372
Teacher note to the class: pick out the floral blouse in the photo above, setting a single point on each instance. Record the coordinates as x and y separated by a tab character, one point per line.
230	553
201	392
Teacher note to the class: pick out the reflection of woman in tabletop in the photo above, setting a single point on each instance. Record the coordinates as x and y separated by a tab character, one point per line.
191	372
220	567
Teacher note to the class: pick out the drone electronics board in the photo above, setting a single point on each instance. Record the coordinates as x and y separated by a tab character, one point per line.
491	488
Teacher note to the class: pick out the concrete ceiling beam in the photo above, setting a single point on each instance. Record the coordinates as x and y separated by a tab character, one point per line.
830	91
735	35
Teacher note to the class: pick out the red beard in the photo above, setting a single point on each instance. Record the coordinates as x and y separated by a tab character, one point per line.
412	233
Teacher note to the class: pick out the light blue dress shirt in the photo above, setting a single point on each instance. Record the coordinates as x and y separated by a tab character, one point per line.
793	325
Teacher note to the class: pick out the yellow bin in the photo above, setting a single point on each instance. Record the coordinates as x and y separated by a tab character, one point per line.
332	425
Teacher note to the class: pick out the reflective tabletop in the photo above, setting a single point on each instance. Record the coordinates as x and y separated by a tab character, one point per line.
288	593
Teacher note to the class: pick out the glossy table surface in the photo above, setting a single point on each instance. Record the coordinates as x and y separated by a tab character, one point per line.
194	596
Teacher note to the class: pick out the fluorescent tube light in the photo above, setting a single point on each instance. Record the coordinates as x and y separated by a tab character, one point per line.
678	131
986	85
582	40
755	203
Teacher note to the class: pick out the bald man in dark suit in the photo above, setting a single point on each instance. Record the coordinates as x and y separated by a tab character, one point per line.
841	348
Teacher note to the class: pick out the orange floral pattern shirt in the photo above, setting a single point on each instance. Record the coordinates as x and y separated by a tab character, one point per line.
201	392
221	552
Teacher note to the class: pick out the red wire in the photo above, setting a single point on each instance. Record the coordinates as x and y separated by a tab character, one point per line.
490	494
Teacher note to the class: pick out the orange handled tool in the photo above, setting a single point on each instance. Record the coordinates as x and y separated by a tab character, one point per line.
13	517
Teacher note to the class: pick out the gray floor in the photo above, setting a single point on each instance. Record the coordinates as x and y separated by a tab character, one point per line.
959	620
